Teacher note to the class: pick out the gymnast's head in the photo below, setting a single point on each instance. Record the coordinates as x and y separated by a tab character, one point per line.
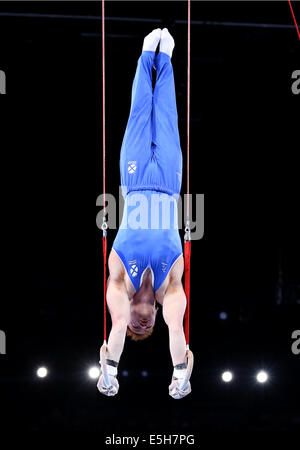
143	310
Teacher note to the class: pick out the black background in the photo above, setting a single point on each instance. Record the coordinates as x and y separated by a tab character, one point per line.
244	145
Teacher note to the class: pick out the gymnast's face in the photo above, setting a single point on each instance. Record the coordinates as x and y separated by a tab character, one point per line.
142	306
143	315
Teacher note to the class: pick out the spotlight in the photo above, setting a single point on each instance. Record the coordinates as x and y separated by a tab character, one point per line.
125	373
262	377
94	373
223	315
144	374
227	377
42	372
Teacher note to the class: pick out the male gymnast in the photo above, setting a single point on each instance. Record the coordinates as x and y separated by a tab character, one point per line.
146	263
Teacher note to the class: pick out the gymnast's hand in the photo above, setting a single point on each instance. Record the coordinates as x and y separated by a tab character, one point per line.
180	385
179	390
111	389
108	384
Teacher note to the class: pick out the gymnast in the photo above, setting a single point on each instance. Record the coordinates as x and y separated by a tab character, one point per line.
146	264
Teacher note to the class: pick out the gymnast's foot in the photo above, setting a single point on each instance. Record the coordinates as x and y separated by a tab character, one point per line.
167	43
151	40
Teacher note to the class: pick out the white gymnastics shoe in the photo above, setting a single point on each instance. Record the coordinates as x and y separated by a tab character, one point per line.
167	43
151	40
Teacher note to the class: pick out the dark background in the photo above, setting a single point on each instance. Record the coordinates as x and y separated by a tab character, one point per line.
244	145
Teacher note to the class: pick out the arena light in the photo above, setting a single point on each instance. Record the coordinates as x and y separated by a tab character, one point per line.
94	373
227	376
223	315
42	372
262	377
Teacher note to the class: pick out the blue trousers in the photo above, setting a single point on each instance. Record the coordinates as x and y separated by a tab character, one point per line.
151	157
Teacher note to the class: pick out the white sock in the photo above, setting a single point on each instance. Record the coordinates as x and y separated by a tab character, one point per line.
167	43
151	40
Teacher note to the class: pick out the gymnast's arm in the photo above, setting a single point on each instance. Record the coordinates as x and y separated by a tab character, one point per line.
174	306
119	307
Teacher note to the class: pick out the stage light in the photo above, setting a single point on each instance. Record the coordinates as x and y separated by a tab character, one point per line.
42	372
262	377
125	373
144	374
227	377
94	373
223	315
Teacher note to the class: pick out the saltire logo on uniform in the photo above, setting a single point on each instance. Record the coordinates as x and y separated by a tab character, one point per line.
132	167
134	270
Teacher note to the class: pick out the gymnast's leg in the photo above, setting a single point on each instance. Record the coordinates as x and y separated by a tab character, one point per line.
136	146
165	118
